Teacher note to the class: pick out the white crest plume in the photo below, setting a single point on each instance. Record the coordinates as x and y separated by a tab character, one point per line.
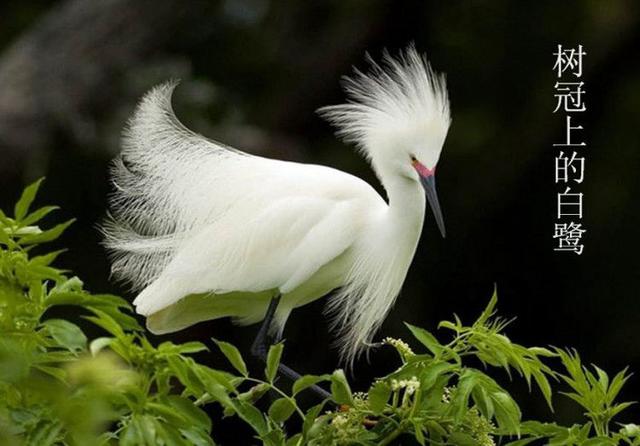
402	93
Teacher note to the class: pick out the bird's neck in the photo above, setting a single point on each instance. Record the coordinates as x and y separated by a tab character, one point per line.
406	206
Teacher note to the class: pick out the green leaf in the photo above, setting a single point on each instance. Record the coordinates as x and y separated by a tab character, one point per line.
211	382
310	418
106	322
449	325
483	402
539	429
615	410
177	349
432	398
170	435
15	360
460	401
426	339
307	381
45	273
4	237
274	437
68	335
462	439
131	435
254	393
47	259
617	383
188	376
38	215
600	441
78	297
434	370
541	351
378	396
522	442
109	300
252	416
281	410
196	437
191	347
340	388
205	373
106	304
167	413
543	384
148	429
295	440
185	408
489	310
45	434
233	356
22	206
46	236
419	434
273	361
57	373
507	412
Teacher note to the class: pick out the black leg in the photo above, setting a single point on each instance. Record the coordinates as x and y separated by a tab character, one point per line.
259	346
260	350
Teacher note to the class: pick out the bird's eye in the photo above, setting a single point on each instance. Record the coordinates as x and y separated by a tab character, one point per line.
413	158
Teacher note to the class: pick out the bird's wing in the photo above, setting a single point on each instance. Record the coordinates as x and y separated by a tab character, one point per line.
276	247
182	201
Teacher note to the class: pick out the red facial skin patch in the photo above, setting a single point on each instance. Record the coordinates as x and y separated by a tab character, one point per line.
422	170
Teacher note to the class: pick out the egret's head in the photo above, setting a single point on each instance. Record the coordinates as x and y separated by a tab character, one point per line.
398	116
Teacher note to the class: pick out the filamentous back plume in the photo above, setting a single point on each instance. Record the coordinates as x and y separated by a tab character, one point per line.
205	231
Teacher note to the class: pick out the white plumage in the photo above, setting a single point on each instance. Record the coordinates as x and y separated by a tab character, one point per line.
205	231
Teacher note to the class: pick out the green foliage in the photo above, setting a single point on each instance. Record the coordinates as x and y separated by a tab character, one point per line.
130	392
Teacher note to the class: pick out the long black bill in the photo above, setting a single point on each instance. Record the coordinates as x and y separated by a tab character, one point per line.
429	184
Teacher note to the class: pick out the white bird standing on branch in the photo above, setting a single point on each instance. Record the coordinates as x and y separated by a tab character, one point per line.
205	231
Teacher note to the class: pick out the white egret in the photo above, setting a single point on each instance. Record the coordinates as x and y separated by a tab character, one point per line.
205	231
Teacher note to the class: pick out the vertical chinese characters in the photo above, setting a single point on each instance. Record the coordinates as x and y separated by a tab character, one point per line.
569	164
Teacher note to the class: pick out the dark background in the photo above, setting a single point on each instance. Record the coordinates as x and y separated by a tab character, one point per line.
253	73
